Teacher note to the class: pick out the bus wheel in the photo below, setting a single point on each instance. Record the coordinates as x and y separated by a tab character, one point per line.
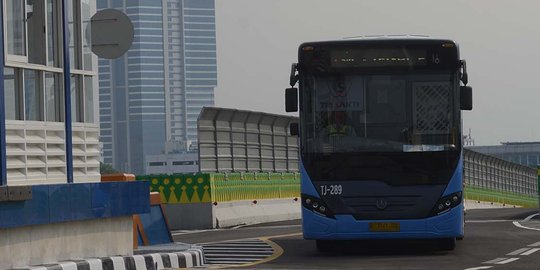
447	243
324	245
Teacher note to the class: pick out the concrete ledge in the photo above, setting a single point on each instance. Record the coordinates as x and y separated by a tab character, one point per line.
472	204
229	214
193	257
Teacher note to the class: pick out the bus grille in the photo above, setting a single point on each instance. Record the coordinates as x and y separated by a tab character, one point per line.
389	207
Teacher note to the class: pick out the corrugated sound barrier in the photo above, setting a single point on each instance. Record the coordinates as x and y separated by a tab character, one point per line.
239	141
492	173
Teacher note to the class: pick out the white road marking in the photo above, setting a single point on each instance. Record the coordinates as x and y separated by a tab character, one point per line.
517	252
496	260
530	217
479	268
183	232
507	261
535	244
517	224
533	250
488	221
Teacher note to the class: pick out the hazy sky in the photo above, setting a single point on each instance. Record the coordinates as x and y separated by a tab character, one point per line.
500	39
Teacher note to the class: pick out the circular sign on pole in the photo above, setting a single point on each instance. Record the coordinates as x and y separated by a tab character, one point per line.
112	33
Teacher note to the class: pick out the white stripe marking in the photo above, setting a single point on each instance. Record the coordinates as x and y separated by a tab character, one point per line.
38	268
535	244
517	224
496	260
530	217
479	268
118	263
174	260
517	252
533	250
140	263
68	265
95	264
488	221
189	259
157	259
508	261
198	256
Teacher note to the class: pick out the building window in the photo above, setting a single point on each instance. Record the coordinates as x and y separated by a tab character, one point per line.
183	163
156	164
35	21
15	26
32	28
53	98
74	33
12	95
53	30
86	11
33	48
33	109
76	99
89	99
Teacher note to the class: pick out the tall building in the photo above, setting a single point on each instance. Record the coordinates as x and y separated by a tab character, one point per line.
151	97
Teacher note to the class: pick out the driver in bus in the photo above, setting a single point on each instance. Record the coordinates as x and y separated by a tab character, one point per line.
338	127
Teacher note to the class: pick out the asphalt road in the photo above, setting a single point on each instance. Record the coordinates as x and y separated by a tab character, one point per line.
492	241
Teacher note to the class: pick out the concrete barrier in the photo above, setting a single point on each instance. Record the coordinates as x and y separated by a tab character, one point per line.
186	259
229	214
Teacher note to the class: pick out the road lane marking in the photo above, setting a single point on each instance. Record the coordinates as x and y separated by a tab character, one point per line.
533	250
507	261
517	224
530	217
479	268
517	252
496	260
535	244
488	221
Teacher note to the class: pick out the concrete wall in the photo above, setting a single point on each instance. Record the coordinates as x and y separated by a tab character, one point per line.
228	214
189	216
41	244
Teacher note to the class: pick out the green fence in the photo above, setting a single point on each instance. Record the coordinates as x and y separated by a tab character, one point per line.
489	195
180	188
220	187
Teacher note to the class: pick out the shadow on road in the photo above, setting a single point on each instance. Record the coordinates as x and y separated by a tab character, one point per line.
384	248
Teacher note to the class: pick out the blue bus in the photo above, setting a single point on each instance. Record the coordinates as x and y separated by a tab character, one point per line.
380	133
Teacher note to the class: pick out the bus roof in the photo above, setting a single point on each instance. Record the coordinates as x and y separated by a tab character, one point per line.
382	40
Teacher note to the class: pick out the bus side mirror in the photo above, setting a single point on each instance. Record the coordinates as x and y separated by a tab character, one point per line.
291	100
293	129
466	98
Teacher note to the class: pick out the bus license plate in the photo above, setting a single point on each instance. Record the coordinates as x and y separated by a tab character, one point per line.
384	226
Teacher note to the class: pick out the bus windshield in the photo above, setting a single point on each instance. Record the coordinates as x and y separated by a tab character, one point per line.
406	112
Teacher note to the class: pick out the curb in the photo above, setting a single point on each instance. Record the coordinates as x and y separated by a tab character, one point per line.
193	257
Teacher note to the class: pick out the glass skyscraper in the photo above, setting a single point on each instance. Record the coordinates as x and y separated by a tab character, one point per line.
150	98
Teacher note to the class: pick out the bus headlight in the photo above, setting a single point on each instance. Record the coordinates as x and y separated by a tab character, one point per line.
446	203
316	205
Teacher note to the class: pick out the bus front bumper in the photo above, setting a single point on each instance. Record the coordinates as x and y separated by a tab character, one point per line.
346	227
